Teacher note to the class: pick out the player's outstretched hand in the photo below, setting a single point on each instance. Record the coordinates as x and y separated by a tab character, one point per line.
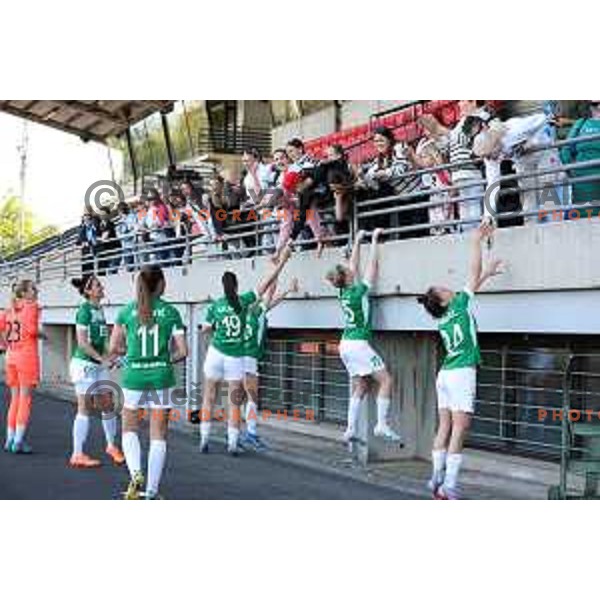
496	267
360	235
286	253
484	231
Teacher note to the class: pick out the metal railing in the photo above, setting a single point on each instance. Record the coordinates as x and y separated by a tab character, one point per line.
524	398
304	374
62	258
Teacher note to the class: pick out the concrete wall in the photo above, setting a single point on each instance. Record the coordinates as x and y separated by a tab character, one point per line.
312	126
542	262
550	287
254	114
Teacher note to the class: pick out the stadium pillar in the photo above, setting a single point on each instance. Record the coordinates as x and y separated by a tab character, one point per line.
167	134
132	161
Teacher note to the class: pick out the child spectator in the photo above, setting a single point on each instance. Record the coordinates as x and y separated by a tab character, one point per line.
428	155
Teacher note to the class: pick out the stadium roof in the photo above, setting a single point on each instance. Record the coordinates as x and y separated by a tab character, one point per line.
94	120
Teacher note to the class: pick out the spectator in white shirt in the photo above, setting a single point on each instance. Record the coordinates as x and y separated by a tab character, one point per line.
257	178
126	229
457	146
517	139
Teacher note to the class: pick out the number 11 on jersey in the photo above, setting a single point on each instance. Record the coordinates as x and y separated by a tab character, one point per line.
144	334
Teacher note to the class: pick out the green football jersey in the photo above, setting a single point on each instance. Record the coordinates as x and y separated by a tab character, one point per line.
256	329
229	327
90	318
459	333
149	365
357	311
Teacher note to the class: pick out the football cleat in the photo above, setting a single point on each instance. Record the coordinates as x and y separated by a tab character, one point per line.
447	493
115	455
21	448
253	441
83	461
388	434
134	489
433	485
149	495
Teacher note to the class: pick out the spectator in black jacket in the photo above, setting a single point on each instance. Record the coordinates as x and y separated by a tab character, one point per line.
335	184
88	240
108	247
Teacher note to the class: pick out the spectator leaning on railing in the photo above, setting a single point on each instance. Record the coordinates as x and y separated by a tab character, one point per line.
300	181
335	179
88	240
518	139
388	174
155	222
126	229
109	256
585	192
428	155
257	178
468	176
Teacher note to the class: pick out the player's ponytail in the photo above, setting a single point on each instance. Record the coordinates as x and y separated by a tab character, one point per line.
230	288
430	300
82	284
150	285
337	276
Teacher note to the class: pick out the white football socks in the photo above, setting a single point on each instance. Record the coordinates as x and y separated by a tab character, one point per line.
132	452
251	416
81	426
232	436
383	408
204	432
19	434
438	459
156	462
353	412
453	464
109	424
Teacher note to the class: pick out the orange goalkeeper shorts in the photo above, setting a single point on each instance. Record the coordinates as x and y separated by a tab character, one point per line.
22	370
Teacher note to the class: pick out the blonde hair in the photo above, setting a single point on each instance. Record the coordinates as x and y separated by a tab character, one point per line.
428	147
432	125
20	288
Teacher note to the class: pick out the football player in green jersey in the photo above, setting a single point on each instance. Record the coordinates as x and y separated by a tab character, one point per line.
89	370
254	342
150	332
360	359
457	380
226	320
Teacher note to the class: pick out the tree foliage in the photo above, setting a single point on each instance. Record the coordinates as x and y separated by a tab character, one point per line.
10	226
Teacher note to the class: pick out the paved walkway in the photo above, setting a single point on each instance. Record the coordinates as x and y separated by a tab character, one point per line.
189	475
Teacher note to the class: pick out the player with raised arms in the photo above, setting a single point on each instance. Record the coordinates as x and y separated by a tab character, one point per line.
254	345
20	327
457	379
90	373
226	319
360	359
149	331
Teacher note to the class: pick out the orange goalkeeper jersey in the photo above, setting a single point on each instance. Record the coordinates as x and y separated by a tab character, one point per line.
20	325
